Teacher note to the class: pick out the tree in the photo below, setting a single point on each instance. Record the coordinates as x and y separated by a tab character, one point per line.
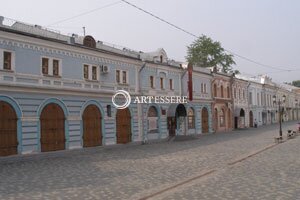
204	52
296	83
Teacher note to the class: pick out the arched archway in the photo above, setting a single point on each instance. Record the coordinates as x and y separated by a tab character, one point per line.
123	126
181	115
52	125
8	130
153	123
242	118
204	120
92	126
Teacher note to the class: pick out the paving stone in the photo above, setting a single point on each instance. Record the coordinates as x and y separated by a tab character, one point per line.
135	171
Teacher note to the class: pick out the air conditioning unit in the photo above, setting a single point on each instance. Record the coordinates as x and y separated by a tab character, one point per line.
104	69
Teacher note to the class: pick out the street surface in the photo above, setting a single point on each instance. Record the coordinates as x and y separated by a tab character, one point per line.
243	164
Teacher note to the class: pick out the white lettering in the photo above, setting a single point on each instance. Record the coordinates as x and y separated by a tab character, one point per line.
136	100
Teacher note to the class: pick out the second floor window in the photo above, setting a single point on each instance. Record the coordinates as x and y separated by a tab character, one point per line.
222	91
162	83
171	84
234	93
215	90
228	92
45	66
124	77
7	60
86	71
121	77
151	81
94	73
250	98
55	67
118	76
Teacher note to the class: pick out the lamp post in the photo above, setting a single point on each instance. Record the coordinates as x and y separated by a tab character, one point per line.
297	104
280	109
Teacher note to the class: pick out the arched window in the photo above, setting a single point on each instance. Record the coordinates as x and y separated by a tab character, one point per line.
191	118
151	82
89	41
228	92
222	117
215	90
152	119
222	91
234	92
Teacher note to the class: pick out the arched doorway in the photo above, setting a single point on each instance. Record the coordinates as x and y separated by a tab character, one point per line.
153	126
92	126
8	130
204	120
52	122
123	120
251	119
180	119
242	118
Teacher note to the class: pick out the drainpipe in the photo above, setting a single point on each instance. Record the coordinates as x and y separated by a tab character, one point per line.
140	106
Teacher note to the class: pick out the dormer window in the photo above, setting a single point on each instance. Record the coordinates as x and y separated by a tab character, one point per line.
161	58
89	41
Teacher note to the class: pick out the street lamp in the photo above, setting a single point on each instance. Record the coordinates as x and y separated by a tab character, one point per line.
279	102
296	100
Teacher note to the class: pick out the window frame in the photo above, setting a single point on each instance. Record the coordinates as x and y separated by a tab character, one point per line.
191	118
171	84
121	77
12	60
51	66
162	83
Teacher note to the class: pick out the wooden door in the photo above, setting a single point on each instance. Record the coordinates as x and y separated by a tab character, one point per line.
8	130
204	120
123	120
92	129
52	128
251	119
171	126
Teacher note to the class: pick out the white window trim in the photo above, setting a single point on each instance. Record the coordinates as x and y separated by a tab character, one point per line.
121	77
13	60
50	66
90	71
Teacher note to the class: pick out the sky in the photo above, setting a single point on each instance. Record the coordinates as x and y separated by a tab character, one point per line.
266	31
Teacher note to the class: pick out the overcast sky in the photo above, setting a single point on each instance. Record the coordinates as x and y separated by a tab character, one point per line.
266	31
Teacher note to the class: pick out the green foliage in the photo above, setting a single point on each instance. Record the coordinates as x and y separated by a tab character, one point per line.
296	83
205	52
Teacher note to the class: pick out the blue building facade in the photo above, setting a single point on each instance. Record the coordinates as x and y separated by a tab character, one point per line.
58	92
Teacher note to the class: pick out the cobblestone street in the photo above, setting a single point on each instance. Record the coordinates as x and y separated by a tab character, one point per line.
243	164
